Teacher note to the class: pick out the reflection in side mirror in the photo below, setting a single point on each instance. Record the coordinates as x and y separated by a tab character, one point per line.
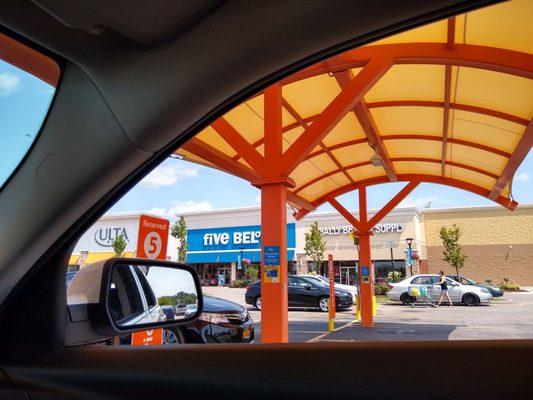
121	295
143	294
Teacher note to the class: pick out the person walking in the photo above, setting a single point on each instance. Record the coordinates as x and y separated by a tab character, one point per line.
444	290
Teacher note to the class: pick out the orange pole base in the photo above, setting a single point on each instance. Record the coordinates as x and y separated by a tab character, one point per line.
367	285
274	293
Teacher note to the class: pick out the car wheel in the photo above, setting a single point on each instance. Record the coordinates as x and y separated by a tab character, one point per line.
470	299
257	303
172	337
406	299
323	304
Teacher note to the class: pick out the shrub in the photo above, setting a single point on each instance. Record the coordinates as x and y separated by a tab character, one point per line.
238	283
252	272
381	289
394	276
510	287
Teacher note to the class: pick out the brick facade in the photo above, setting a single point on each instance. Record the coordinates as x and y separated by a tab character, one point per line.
498	242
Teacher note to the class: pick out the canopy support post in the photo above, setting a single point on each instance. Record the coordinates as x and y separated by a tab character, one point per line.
365	268
274	288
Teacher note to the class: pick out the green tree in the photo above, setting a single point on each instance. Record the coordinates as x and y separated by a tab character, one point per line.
180	298
252	272
315	244
179	231
453	253
119	245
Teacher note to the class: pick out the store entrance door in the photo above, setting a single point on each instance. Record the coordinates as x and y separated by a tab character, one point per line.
348	275
224	275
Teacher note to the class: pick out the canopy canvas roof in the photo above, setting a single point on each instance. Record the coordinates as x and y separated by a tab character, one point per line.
448	103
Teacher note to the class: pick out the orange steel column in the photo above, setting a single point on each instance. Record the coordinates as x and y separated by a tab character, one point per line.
366	273
274	307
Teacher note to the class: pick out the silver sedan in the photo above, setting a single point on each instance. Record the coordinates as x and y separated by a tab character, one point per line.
459	293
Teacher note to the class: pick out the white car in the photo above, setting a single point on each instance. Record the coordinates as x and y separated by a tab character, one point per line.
324	279
459	293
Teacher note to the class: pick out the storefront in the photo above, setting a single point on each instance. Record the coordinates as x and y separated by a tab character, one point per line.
221	255
222	243
218	249
97	242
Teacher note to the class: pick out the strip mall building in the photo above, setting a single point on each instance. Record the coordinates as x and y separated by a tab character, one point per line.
498	242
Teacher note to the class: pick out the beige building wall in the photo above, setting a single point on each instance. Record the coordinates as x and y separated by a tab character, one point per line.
498	242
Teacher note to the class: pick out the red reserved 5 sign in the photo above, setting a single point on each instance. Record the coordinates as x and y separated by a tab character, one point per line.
153	237
151	243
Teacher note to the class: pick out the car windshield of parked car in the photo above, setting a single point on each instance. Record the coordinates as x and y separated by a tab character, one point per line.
24	103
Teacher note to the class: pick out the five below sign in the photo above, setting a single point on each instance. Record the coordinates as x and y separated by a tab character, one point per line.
237	237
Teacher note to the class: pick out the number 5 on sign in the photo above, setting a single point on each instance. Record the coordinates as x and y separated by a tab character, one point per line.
153	238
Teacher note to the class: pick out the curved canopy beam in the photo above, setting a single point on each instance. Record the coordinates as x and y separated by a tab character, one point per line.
463	55
420	178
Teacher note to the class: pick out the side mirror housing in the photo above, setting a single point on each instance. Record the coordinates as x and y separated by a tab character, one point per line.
307	287
122	295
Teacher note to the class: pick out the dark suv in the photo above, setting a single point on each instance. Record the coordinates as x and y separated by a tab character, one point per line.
303	293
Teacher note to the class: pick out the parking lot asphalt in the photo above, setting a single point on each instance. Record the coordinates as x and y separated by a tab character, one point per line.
511	317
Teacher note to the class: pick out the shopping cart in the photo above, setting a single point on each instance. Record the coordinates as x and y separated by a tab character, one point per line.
422	295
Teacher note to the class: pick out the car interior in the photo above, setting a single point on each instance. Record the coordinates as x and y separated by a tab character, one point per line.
135	80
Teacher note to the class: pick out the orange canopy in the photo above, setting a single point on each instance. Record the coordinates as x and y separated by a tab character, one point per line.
448	103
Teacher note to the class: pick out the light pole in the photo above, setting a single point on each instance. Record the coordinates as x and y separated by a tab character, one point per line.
409	255
241	264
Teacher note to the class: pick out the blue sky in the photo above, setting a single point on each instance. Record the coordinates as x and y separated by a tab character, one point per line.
24	101
178	186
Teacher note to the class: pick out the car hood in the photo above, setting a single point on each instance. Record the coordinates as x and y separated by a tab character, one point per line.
221	306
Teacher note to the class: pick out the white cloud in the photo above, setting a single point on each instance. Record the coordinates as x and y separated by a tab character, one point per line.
423	201
521	177
181	207
9	83
169	174
258	198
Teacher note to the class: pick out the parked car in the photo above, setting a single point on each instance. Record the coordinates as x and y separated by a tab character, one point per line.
169	312
494	290
459	293
324	279
303	292
222	321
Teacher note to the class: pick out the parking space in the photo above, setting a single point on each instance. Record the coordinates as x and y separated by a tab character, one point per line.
510	317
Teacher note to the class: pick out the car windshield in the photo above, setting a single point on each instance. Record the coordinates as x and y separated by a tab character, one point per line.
24	103
315	280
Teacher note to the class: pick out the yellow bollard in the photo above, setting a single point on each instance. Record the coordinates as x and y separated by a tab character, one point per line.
374	306
357	307
331	321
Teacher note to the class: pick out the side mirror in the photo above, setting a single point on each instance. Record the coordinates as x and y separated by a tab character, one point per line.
122	295
307	287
